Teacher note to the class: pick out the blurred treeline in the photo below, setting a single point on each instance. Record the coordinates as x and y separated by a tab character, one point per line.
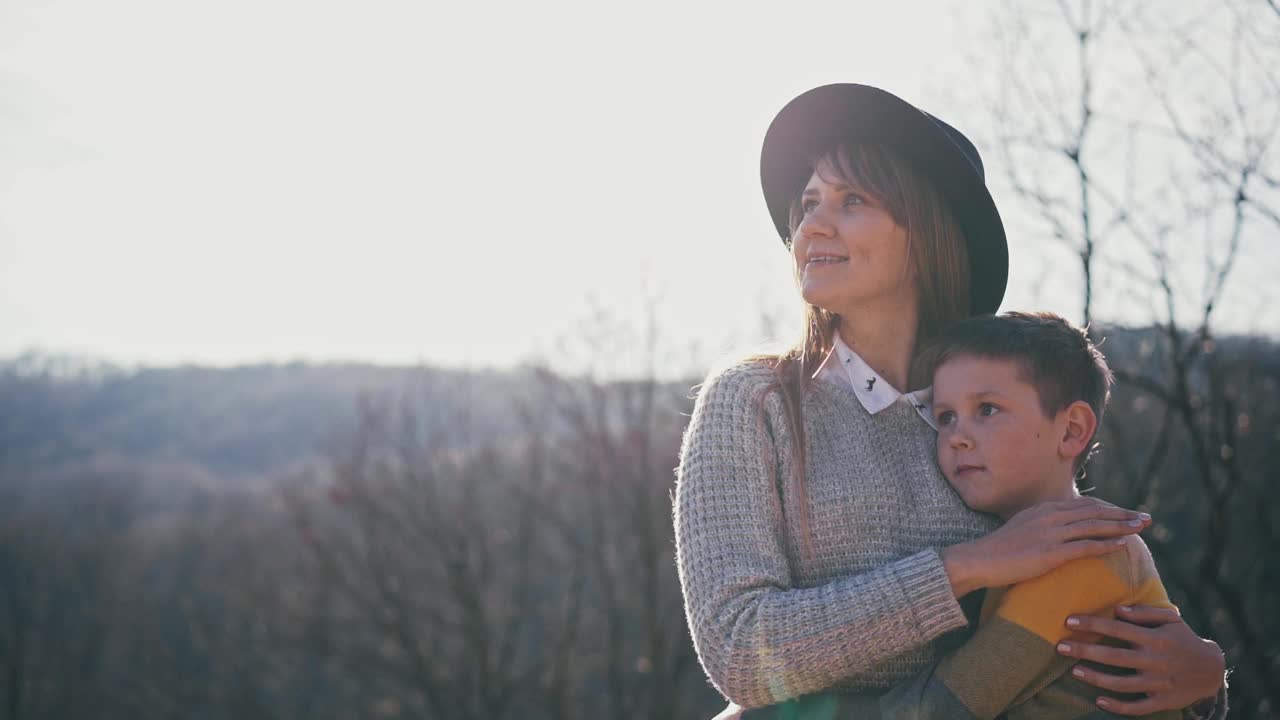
475	545
269	542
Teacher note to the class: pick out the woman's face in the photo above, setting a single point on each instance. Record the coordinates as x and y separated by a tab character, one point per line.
851	256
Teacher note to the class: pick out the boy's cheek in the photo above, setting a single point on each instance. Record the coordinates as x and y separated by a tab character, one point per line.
944	459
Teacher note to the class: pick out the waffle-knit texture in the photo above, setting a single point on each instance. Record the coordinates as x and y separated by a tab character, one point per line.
859	608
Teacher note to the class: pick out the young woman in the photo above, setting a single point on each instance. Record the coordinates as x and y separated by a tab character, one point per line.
819	547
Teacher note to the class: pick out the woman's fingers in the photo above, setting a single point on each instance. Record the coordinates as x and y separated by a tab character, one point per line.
1089	548
1105	654
1102	528
1145	706
1175	667
1107	681
1148	615
1118	629
1101	512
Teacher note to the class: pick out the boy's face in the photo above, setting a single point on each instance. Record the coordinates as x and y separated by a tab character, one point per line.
996	446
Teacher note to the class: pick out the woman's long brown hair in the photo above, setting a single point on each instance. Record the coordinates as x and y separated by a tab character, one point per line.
938	255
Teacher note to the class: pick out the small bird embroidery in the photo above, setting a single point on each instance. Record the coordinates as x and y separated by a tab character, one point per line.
871	383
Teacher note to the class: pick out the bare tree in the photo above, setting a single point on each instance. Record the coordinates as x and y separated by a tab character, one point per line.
1148	147
445	585
623	438
530	577
60	594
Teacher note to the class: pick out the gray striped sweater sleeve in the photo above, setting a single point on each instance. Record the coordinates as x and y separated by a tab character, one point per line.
760	638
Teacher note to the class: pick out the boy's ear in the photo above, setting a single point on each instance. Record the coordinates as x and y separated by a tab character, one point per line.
1080	426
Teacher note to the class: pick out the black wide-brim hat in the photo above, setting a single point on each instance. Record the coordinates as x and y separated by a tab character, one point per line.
818	120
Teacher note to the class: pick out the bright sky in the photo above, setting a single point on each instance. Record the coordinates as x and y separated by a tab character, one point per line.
455	183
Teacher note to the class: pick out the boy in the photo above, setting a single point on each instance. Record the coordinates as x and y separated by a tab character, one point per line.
1017	400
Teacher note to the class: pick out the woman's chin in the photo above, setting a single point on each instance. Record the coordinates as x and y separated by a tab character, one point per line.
819	295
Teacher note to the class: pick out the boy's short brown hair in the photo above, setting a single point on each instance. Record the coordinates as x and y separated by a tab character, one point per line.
1056	358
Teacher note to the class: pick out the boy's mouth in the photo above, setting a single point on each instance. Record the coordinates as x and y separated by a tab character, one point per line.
962	470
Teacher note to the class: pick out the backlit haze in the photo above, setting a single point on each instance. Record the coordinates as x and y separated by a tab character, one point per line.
449	183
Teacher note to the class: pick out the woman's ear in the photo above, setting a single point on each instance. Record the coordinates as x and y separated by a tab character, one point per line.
1081	423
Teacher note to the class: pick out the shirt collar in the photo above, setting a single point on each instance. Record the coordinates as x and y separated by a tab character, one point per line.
845	367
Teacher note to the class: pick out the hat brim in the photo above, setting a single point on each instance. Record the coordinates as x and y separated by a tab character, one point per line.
819	119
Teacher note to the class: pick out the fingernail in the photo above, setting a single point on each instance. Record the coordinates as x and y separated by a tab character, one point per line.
1136	523
1077	672
1073	622
1103	702
1064	647
1143	516
1126	608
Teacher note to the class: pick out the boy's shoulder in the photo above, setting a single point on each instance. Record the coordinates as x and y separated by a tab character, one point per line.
1138	556
1087	586
1144	578
1130	566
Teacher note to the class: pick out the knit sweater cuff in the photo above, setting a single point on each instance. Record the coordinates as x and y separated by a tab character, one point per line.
924	579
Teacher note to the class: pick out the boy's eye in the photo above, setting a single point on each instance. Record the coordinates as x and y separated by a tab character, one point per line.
807	206
987	409
946	417
852	199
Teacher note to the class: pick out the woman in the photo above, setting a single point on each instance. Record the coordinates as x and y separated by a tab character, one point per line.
819	547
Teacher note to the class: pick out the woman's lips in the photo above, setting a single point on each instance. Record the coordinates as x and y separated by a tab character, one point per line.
816	263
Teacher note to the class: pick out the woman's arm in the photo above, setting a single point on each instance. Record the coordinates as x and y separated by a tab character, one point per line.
1171	665
1009	667
760	639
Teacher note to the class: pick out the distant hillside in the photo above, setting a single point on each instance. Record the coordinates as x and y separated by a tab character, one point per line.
255	420
236	422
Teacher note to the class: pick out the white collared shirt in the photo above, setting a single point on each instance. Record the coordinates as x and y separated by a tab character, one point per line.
845	367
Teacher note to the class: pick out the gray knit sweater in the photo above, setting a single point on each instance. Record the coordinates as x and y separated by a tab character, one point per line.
862	607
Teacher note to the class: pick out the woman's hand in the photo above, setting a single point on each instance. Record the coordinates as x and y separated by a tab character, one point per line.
1038	540
1174	668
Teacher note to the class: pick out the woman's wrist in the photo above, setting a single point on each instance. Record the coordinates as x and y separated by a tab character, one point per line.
961	570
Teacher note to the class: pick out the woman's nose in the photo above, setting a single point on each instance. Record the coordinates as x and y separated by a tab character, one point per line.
815	223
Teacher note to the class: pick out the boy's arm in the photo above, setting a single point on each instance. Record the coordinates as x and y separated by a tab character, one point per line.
1065	691
1012	657
1009	665
977	681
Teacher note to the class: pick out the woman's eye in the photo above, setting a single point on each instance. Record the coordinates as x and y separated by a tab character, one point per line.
852	199
988	409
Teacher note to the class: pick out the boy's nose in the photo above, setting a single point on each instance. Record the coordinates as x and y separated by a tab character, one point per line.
960	440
